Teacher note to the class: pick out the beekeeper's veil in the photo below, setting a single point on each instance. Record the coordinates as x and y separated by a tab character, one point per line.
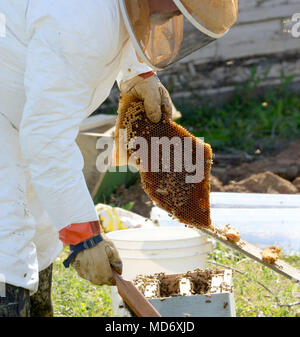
165	31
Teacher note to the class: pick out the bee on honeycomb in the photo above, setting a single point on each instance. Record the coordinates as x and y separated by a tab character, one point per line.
186	201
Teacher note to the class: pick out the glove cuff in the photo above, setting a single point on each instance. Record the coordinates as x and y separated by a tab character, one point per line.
148	74
126	86
76	249
80	232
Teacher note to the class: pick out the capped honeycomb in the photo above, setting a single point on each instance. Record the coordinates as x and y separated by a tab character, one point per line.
271	254
166	178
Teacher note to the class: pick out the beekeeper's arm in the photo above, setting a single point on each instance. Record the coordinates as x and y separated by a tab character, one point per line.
58	93
142	82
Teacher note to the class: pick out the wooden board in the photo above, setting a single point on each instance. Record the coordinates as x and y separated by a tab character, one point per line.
134	298
261	10
97	121
258	31
254	253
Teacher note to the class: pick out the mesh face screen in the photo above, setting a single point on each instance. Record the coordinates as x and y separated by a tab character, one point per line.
167	170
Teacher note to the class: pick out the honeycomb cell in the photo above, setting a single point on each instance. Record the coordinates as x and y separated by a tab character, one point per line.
187	201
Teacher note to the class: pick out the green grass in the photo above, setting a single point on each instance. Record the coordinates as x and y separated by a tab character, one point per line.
75	297
248	121
258	290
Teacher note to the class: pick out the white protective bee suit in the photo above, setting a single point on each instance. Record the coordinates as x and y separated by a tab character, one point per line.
58	63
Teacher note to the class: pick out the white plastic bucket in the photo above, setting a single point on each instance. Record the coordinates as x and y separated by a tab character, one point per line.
152	250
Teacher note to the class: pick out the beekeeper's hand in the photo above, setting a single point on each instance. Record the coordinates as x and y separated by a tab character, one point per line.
92	253
95	264
152	92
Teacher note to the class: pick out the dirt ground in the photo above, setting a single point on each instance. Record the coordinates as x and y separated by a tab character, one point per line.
279	173
135	193
285	164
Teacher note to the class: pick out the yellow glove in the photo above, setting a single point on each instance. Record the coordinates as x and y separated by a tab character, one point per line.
152	92
94	264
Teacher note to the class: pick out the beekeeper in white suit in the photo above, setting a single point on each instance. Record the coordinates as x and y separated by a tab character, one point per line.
58	63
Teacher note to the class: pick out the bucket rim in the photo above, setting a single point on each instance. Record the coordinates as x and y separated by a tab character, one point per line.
166	258
111	234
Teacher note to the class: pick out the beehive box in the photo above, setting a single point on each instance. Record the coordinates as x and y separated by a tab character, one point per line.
198	294
202	293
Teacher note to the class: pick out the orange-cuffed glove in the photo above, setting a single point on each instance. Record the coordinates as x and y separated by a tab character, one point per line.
79	232
92	253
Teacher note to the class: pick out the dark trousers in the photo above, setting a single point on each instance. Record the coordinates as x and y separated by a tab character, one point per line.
18	302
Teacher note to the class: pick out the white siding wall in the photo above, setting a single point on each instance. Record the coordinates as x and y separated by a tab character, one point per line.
259	31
